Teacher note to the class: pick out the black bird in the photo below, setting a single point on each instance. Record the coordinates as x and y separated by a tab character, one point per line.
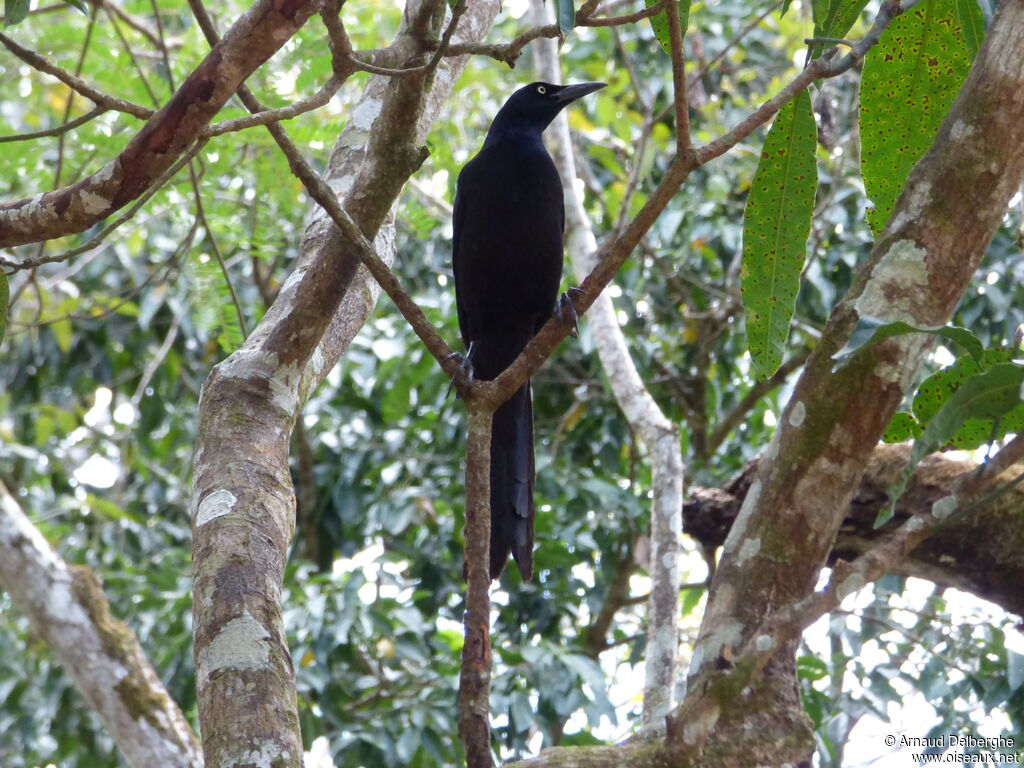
507	258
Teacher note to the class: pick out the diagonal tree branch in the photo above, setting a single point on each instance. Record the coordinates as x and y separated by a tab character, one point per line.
74	82
242	527
257	34
68	610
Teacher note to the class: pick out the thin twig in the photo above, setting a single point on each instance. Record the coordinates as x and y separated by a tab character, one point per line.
505	52
78	85
268	116
131	21
735	39
682	104
629	18
752	397
57	130
131	55
36	261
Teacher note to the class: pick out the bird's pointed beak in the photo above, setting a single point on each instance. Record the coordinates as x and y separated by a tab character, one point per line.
572	92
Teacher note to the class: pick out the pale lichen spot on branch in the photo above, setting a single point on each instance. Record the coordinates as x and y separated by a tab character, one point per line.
62	606
284	386
749	549
264	755
897	279
944	507
216	504
918	196
797	413
242	644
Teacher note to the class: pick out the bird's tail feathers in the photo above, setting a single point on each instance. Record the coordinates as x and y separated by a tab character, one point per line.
512	484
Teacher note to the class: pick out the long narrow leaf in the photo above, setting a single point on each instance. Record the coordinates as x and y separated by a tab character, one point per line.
972	22
910	80
776	224
566	13
985	396
659	23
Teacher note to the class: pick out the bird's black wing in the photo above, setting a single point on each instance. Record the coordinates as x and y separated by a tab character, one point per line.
458	220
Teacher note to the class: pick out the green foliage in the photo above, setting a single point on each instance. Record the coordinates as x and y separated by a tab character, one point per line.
565	12
373	589
972	24
963	669
15	11
910	80
869	331
936	391
975	400
775	228
834	18
659	24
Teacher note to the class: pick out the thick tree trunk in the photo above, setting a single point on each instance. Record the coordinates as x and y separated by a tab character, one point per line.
917	271
243	504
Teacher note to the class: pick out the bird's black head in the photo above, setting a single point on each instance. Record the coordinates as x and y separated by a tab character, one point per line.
532	108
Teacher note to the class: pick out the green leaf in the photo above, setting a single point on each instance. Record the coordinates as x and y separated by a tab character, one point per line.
869	331
776	224
659	23
938	388
834	18
15	11
988	395
79	5
5	298
909	82
972	22
902	427
566	13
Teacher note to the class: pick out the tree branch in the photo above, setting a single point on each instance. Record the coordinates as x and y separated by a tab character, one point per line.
257	34
75	83
57	130
475	674
69	612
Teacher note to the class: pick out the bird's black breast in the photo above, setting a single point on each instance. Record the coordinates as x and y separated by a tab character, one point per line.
507	250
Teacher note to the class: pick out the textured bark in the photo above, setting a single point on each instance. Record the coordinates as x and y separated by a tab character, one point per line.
68	611
243	503
917	272
658	434
253	39
475	672
979	554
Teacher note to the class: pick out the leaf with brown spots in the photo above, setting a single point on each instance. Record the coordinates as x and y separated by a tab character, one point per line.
909	83
776	224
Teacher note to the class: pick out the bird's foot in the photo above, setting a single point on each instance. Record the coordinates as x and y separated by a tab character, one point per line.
565	310
464	371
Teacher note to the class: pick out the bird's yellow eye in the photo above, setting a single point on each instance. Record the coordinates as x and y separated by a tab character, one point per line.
541	89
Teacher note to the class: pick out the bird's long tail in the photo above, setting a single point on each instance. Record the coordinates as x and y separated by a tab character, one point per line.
512	481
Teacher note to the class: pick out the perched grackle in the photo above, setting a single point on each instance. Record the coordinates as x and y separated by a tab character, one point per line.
507	258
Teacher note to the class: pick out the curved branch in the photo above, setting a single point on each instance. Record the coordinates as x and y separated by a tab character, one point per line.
74	82
57	130
257	35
